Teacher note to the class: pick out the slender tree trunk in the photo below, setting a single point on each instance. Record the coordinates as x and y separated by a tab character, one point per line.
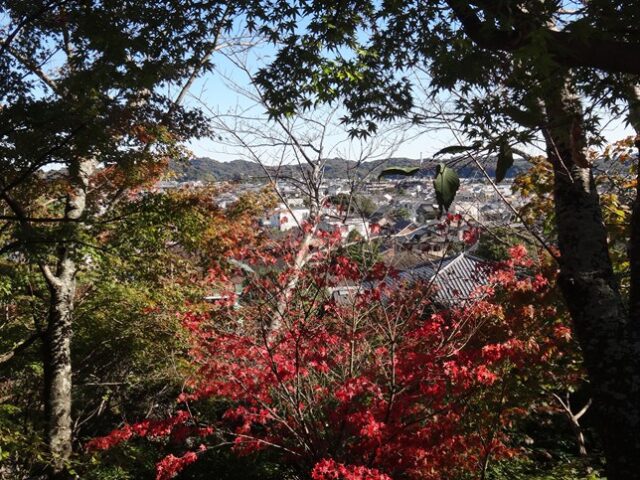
577	430
591	291
57	341
574	420
57	370
284	296
303	253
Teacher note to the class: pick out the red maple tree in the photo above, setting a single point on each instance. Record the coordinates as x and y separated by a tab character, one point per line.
375	383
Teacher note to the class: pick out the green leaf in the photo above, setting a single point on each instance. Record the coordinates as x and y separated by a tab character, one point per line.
446	185
405	171
505	161
453	149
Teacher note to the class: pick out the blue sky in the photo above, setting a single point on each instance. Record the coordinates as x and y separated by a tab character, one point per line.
219	92
417	143
213	90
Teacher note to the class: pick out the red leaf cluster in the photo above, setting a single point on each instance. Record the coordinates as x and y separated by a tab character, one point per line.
380	385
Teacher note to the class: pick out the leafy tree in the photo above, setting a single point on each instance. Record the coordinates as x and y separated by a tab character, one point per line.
365	253
494	243
365	206
378	386
614	177
521	70
400	214
354	237
128	345
354	204
90	107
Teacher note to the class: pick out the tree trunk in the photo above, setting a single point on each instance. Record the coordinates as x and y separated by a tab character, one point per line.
577	429
591	291
574	420
57	341
57	371
304	250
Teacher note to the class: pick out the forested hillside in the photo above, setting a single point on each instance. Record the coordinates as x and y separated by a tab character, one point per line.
207	169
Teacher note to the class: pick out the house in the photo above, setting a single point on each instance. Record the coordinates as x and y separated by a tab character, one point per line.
346	226
284	219
454	280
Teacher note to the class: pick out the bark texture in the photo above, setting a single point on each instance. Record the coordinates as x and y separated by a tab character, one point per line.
57	370
57	341
591	291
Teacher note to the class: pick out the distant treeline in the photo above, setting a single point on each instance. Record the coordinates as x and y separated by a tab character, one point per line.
207	169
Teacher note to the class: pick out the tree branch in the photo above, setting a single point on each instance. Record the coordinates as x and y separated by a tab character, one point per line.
25	21
35	69
23	345
11	218
568	49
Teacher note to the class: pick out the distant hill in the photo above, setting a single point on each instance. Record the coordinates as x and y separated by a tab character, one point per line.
335	168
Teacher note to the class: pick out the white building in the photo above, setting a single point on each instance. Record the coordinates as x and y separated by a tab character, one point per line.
347	226
284	218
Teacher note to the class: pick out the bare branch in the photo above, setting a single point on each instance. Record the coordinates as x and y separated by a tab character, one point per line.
21	346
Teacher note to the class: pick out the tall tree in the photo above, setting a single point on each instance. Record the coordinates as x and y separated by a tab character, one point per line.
88	112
